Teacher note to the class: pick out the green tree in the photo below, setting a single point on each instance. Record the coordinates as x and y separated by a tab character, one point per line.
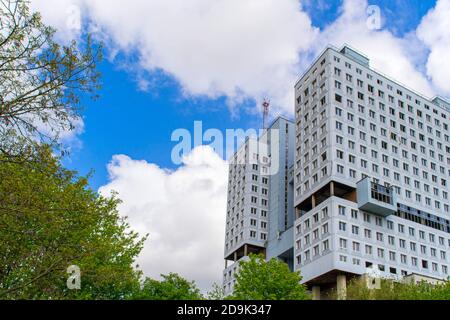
216	293
390	290
40	80
171	287
272	280
49	220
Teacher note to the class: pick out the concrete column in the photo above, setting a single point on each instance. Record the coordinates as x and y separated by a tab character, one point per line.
316	293
313	201
235	257
332	189
341	287
245	250
226	264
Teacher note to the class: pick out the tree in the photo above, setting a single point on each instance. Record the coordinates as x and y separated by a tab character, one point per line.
216	293
171	287
260	280
40	80
357	290
50	220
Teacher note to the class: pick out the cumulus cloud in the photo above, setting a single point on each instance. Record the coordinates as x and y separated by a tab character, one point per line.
65	15
232	48
183	211
251	49
434	31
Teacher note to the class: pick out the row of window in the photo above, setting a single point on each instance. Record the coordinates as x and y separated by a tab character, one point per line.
405	193
392	241
398	124
392	142
425	163
253	234
399	91
324	248
361	217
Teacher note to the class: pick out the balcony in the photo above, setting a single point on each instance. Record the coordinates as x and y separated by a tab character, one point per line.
376	198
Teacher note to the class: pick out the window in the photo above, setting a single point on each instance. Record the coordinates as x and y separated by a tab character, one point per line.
403	259
326	245
379	237
391	240
392	256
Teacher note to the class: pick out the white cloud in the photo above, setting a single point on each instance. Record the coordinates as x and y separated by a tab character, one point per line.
434	31
65	15
253	48
233	48
182	210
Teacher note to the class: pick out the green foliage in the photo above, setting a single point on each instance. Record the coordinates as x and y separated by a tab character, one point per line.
390	290
50	220
40	79
171	287
216	293
260	280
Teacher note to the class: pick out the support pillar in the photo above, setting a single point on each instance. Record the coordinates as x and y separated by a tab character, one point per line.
332	189
341	287
313	201
235	256
316	293
245	250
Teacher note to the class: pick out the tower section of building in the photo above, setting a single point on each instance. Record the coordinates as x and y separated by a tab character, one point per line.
371	175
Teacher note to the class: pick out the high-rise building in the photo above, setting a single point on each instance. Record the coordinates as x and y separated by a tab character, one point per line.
362	186
260	208
371	175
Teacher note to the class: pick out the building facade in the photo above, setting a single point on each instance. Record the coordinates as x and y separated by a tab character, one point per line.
371	175
260	208
363	181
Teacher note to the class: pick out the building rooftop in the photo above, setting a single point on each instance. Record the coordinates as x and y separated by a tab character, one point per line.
364	60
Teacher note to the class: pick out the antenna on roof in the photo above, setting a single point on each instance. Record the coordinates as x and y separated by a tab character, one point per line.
265	109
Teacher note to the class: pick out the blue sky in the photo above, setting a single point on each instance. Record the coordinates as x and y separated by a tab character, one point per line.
401	16
126	120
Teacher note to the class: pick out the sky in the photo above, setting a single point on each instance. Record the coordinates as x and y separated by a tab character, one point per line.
169	63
